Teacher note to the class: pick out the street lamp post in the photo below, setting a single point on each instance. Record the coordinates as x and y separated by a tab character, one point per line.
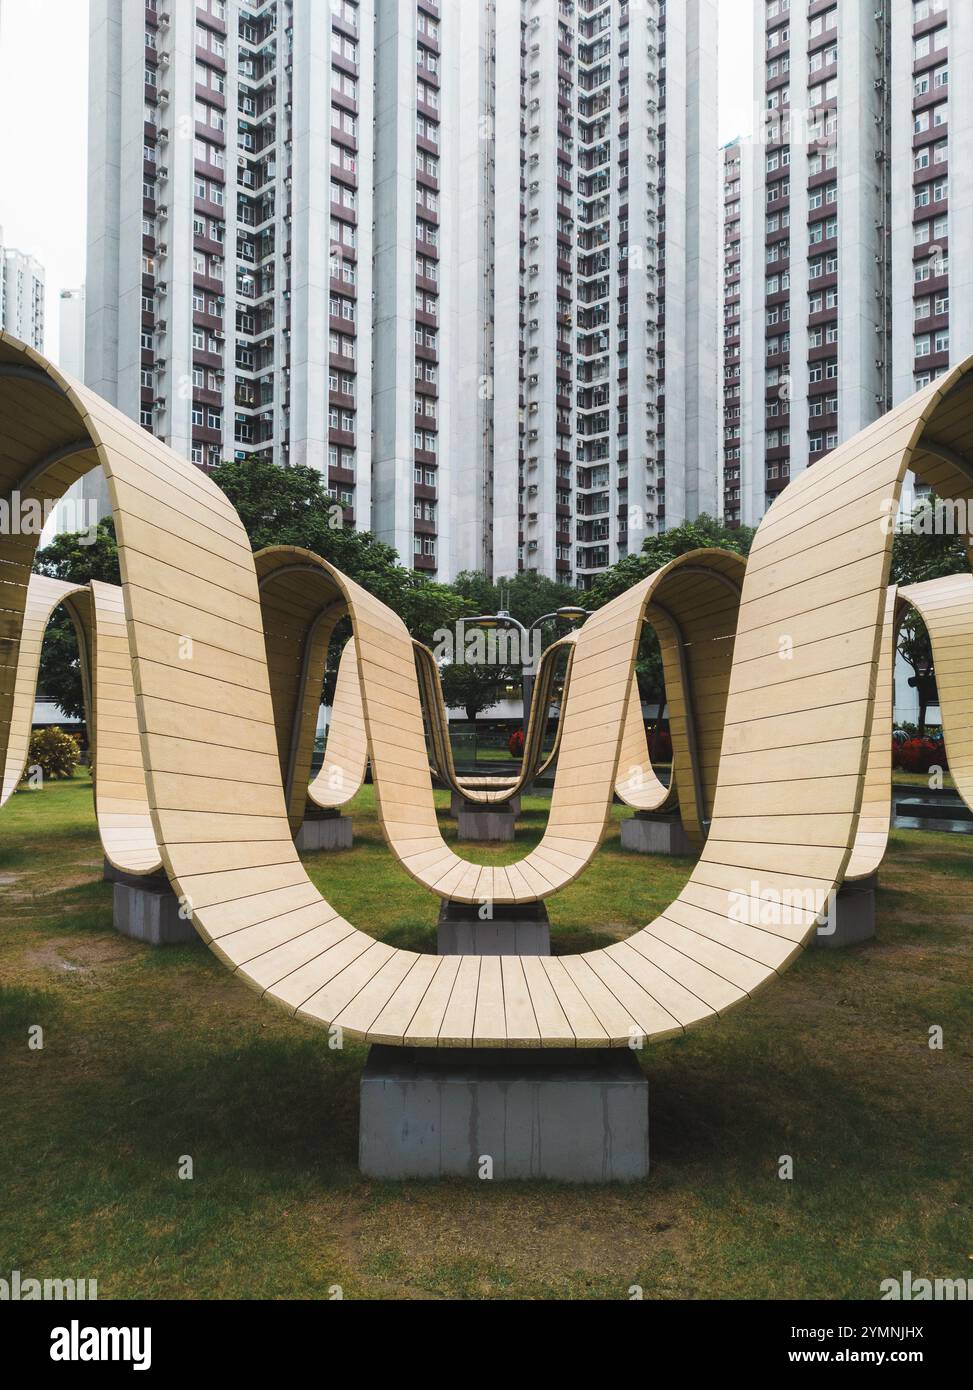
571	613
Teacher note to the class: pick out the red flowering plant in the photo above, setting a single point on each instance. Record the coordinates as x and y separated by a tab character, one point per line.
515	743
919	754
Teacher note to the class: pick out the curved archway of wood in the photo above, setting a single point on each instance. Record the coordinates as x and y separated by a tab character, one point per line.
946	607
342	773
791	773
494	790
21	666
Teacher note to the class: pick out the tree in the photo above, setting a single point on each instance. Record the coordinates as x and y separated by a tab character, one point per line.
525	597
471	688
54	752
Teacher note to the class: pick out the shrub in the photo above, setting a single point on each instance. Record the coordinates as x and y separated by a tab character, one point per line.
54	752
919	754
515	743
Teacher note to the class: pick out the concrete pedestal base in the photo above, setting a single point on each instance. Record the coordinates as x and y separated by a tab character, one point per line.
489	824
147	909
852	916
457	802
647	833
325	831
570	1115
514	929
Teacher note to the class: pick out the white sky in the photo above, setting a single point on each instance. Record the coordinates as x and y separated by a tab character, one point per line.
43	119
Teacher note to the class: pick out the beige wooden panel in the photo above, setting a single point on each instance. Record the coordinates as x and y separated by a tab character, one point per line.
346	752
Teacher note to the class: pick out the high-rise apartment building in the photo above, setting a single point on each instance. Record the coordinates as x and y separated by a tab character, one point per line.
587	260
21	296
228	306
458	258
931	128
851	292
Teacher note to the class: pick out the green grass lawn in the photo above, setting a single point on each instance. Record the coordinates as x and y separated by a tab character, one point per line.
152	1054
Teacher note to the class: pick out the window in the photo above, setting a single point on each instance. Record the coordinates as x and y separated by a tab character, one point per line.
923	345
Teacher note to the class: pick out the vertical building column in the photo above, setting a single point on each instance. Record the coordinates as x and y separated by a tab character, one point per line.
394	268
862	174
751	380
104	183
508	348
797	370
901	247
540	420
701	264
643	294
960	58
366	215
174	306
310	237
466	290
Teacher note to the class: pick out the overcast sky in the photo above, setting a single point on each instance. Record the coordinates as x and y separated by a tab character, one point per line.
43	117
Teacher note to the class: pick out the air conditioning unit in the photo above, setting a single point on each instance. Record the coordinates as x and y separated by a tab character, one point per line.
161	325
163	172
164	59
164	97
162	249
163	133
164	21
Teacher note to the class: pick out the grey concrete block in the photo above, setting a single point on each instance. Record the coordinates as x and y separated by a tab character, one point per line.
457	802
147	912
851	918
647	833
569	1115
514	929
325	832
492	825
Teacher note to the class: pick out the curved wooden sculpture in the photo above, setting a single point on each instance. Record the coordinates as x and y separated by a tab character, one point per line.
946	607
791	776
303	597
21	664
342	774
494	790
121	796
